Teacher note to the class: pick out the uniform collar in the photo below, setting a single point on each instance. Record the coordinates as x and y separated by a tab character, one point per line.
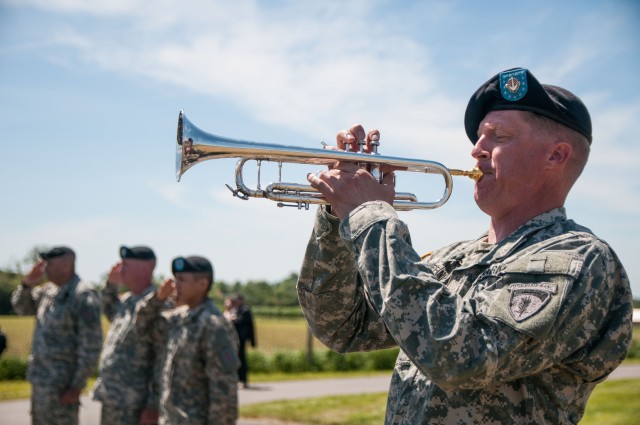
505	247
68	287
195	312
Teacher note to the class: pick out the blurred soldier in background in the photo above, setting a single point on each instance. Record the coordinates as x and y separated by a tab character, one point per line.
199	374
128	384
240	315
67	337
3	342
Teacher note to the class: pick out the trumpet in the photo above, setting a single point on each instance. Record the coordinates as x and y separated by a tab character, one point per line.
195	146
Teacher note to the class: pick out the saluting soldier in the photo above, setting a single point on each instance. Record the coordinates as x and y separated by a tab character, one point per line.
67	336
199	373
128	385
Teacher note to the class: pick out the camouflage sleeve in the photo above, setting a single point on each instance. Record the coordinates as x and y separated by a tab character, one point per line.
220	348
475	341
149	321
332	295
25	300
110	300
157	333
89	337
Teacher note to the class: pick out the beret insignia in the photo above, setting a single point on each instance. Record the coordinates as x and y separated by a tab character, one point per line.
513	84
178	264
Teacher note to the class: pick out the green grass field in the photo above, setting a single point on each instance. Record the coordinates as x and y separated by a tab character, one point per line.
272	334
612	403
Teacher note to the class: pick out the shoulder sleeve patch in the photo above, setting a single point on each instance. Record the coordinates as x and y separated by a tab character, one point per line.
532	290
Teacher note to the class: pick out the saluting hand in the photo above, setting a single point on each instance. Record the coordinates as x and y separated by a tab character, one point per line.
36	272
115	275
166	289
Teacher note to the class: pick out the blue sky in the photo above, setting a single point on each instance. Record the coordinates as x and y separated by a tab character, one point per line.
90	93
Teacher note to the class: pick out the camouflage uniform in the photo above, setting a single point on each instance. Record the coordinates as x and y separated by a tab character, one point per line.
127	382
66	344
516	332
199	374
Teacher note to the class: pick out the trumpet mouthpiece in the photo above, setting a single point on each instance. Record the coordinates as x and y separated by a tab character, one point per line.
475	174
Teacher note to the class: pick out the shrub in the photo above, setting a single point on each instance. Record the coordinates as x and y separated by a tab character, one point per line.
296	361
634	350
12	369
384	359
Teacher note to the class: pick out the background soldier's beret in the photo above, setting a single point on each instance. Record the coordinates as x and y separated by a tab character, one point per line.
56	251
137	253
518	89
191	264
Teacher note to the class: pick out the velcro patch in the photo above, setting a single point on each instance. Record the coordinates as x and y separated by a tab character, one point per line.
228	359
528	299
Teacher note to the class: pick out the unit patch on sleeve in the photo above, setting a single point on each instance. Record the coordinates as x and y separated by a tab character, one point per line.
528	299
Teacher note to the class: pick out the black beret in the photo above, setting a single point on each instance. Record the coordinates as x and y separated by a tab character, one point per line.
518	89
137	253
56	251
191	264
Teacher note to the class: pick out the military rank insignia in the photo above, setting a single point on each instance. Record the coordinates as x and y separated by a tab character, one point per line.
513	84
528	299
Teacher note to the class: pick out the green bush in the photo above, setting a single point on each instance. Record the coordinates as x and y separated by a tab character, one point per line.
634	351
296	361
285	312
384	359
13	369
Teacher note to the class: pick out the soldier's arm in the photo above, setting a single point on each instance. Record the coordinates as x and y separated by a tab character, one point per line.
147	317
332	296
150	322
251	333
110	300
89	337
220	351
480	339
25	299
156	331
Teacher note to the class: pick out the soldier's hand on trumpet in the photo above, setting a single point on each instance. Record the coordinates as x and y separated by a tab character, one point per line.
347	185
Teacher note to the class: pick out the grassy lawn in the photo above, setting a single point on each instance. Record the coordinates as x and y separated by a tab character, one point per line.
272	334
612	403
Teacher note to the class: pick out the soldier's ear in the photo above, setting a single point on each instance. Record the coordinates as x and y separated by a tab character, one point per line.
203	283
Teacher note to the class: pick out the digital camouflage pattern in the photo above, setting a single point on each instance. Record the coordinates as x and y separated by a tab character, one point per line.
127	379
199	383
516	332
66	342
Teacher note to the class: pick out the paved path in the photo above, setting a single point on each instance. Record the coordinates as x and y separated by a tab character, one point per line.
15	412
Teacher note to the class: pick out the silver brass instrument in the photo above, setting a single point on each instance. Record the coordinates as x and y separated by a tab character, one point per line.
195	146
